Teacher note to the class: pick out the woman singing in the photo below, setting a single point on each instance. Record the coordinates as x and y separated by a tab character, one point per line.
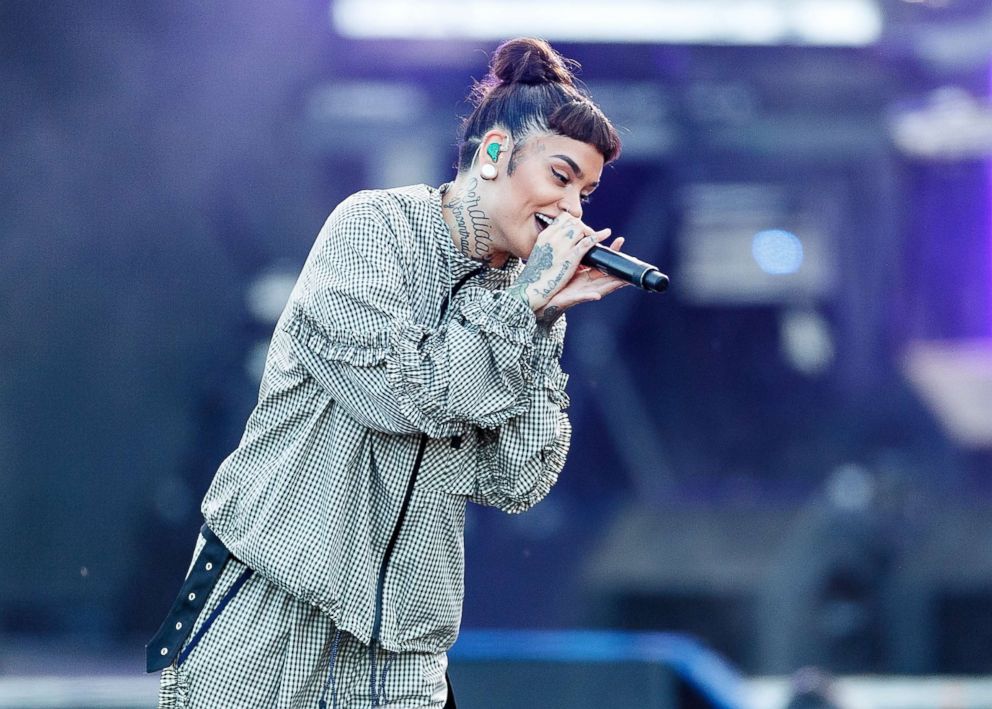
415	368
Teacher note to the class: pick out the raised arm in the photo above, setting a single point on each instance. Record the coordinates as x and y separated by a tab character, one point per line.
354	329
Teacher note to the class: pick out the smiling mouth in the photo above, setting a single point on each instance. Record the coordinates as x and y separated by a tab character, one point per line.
543	221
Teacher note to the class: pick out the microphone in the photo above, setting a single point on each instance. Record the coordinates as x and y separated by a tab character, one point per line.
627	268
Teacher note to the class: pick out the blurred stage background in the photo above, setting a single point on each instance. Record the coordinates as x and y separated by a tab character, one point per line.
787	457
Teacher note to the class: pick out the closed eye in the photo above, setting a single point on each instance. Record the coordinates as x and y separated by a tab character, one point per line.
564	179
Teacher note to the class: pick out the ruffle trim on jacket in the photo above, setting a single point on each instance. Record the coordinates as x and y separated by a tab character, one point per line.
500	489
173	690
547	371
502	320
424	400
356	348
421	391
497	314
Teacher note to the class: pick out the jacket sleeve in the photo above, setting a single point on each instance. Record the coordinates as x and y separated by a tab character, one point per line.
352	326
521	461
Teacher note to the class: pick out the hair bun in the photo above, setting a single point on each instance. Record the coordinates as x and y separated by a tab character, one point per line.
530	61
530	89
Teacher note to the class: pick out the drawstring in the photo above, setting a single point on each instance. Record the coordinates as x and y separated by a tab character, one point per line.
379	698
322	703
372	692
385	673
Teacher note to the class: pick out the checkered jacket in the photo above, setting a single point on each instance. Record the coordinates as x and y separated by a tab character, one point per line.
361	364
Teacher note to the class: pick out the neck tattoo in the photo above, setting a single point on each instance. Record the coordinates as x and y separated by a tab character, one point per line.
473	224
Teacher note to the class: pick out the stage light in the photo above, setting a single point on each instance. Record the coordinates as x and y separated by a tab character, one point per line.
777	251
806	341
954	378
268	293
720	22
729	252
951	124
837	23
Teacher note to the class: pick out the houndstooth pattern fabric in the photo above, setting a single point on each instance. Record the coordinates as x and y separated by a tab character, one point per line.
360	364
268	649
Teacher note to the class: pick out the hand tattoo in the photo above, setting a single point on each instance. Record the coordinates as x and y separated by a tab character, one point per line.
540	260
556	280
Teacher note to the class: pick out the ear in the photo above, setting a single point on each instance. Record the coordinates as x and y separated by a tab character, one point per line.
494	143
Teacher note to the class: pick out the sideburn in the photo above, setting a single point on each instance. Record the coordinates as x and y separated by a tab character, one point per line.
516	154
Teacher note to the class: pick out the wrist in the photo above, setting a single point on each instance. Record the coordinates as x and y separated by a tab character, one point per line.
547	317
519	292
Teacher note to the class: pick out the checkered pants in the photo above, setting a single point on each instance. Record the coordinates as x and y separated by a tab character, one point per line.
269	649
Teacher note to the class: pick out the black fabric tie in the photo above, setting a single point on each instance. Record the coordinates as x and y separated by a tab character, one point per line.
165	645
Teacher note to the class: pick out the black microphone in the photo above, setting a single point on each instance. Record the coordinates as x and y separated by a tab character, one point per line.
627	268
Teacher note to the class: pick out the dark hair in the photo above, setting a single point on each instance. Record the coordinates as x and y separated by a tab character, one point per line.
530	87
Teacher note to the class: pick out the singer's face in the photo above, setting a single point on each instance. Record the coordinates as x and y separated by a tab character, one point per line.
545	176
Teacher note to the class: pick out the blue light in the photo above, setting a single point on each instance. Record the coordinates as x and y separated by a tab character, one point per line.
777	251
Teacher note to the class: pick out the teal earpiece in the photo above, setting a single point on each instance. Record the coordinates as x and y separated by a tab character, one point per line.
493	150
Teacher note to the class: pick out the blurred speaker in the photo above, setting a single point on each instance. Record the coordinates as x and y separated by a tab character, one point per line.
587	669
692	570
722	619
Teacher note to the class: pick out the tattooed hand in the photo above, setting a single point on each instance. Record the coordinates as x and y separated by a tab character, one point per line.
553	280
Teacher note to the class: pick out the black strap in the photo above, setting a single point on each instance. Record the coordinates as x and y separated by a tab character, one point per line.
168	640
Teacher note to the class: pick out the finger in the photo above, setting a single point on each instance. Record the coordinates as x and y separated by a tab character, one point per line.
571	299
605	284
614	285
617	243
585	288
567	221
591	239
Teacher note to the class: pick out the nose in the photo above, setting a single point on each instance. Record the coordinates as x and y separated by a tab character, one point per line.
571	203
